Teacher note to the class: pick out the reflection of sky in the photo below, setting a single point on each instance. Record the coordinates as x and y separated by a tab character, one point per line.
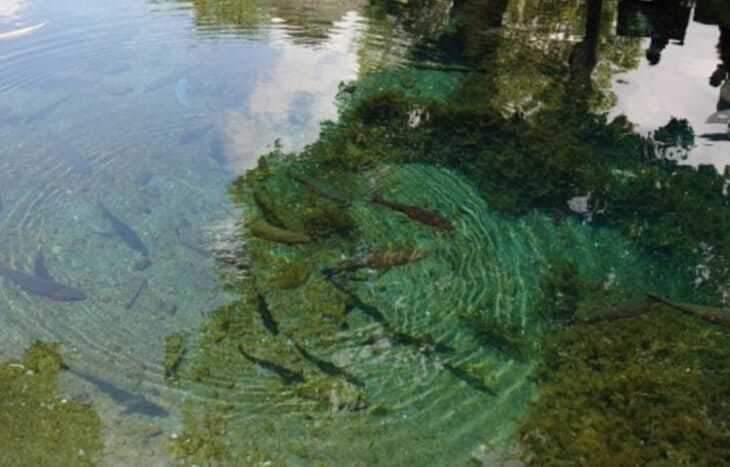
9	8
677	87
297	94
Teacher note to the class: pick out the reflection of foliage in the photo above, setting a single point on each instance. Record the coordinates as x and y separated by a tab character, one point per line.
306	24
633	392
674	140
541	162
562	291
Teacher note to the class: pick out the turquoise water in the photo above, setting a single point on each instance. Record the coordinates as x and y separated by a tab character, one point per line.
315	326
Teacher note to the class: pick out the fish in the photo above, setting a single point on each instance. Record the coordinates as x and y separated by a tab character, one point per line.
468	378
423	216
377	260
133	403
266	231
1	204
21	31
39	266
328	368
614	314
42	286
124	232
714	315
266	317
181	92
133	299
320	188
424	343
286	375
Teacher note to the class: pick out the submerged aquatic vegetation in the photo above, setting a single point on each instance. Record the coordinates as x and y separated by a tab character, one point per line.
39	425
632	392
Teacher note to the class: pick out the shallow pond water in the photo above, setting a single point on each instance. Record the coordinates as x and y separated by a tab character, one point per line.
233	282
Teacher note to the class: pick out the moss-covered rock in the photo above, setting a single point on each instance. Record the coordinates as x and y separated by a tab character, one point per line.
39	426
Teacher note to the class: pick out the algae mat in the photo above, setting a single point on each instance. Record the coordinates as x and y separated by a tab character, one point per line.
425	362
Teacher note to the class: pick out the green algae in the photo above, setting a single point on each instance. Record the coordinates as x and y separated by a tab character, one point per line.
291	275
641	391
40	427
200	442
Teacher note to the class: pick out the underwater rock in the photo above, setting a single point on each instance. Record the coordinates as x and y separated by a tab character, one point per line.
265	231
336	393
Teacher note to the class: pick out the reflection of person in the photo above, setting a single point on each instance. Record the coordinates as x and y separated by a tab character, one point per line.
661	21
654	52
720	76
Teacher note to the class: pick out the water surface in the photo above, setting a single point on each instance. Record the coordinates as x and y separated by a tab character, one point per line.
126	128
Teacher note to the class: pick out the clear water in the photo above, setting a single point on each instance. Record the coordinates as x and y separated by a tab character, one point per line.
150	110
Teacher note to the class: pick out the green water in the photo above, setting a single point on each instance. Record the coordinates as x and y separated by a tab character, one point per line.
379	233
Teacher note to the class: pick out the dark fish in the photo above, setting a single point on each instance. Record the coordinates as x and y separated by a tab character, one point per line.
287	376
718	316
193	135
266	317
42	287
133	299
133	403
353	301
614	314
124	231
424	343
320	188
39	266
431	218
379	260
468	378
326	367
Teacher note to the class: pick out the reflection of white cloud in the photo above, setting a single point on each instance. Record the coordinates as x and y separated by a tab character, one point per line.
10	7
297	95
677	87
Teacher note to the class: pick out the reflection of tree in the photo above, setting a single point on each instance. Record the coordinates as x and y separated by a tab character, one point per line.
529	50
308	21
